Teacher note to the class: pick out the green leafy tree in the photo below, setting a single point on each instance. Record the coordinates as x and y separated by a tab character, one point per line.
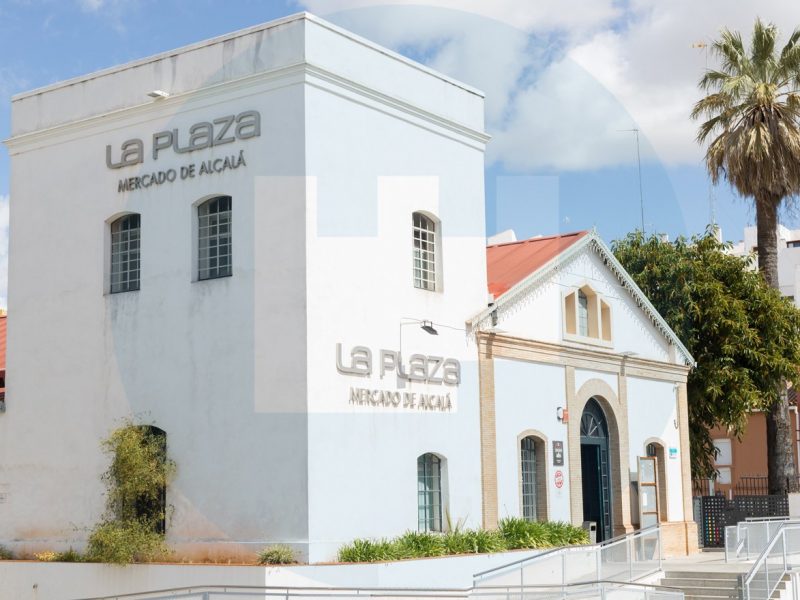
750	122
744	336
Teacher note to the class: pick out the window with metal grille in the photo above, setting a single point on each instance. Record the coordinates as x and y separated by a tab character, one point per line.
125	248
583	314
529	483
214	251
424	252
429	492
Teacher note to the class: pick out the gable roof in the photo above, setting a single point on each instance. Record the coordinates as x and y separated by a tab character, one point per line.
508	264
517	268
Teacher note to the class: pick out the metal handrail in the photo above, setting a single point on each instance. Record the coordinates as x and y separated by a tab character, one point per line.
337	592
599	547
742	549
780	536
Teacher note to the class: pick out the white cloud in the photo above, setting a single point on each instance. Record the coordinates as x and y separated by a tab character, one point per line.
561	78
91	5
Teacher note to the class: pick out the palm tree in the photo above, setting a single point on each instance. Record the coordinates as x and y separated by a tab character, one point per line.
752	107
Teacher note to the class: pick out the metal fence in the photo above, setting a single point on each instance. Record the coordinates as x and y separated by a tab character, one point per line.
747	539
781	555
715	513
622	559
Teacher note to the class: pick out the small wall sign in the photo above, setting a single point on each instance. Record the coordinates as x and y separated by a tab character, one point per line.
558	453
673	453
559	479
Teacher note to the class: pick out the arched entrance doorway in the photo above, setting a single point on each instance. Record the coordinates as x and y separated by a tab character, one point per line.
596	469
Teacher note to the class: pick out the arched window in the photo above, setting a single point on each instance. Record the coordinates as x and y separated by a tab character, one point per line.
656	450
214	249
153	509
583	313
533	491
587	314
424	234
125	258
429	492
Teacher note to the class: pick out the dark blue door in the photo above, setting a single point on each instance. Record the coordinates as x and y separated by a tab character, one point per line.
596	469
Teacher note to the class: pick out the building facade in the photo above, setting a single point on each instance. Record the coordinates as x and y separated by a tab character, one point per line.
270	245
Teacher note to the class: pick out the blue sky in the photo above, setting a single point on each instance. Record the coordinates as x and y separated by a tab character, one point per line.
564	79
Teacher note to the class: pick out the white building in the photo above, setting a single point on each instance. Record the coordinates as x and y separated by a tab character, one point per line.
788	257
249	243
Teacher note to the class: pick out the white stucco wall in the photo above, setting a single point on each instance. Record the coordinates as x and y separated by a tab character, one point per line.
360	246
240	372
652	415
526	398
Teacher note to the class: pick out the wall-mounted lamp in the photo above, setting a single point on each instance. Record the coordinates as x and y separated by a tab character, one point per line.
427	327
158	94
562	414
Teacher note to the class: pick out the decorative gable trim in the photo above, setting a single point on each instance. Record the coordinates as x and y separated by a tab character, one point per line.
521	293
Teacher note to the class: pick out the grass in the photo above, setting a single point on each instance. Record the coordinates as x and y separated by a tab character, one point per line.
5	553
513	534
276	555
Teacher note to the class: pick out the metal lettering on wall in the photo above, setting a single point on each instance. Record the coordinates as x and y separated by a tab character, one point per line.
205	134
420	368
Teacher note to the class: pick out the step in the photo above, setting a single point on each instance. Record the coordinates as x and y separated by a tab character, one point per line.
688	582
704	576
707	591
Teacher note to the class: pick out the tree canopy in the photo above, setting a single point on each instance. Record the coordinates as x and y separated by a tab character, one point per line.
743	334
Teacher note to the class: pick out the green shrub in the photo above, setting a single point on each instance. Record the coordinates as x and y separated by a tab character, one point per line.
519	534
513	534
5	553
368	551
136	480
124	542
276	555
69	556
419	544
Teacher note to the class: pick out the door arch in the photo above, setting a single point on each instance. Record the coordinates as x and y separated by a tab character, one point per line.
596	482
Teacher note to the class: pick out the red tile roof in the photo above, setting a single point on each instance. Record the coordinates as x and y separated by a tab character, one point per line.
508	264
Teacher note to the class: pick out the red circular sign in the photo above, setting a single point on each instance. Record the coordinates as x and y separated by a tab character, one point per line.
559	479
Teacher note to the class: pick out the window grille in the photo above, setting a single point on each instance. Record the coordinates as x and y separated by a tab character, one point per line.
424	252
429	492
214	238
528	464
125	258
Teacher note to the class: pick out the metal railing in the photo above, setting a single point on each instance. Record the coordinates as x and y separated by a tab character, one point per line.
747	539
778	557
602	590
623	559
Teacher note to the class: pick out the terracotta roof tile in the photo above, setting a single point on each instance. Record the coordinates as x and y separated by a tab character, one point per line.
508	264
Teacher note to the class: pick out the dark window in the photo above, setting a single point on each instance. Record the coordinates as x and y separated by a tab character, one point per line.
214	238
125	248
529	478
424	234
429	492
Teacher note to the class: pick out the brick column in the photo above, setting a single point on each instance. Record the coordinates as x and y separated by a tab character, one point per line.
488	433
